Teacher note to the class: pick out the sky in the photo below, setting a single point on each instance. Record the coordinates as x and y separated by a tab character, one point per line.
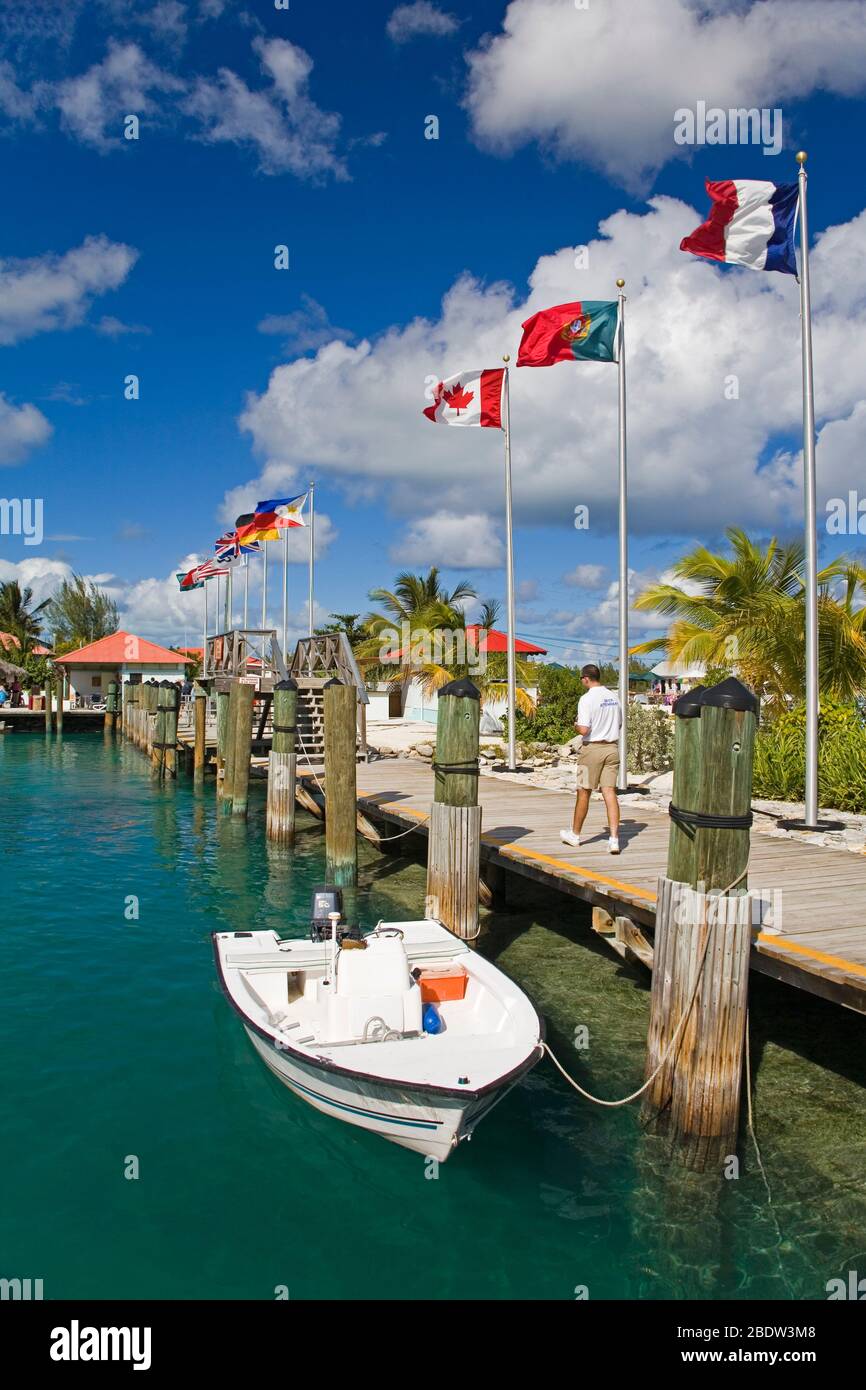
554	170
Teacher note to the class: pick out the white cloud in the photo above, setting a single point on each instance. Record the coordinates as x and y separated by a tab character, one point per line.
288	131
420	20
305	329
586	577
123	83
600	85
452	541
111	327
697	460
22	428
15	103
50	291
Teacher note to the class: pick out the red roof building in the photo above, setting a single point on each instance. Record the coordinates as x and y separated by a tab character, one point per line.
497	641
118	657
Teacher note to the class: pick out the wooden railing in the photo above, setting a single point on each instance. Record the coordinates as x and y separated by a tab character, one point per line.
229	653
328	654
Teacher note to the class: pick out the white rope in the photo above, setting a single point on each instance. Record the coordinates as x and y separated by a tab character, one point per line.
627	1100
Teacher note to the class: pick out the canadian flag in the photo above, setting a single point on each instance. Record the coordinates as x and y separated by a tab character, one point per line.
470	398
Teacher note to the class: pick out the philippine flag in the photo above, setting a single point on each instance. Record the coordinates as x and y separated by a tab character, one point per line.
751	223
470	398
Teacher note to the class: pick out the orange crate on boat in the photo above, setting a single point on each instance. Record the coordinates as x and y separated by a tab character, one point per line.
440	986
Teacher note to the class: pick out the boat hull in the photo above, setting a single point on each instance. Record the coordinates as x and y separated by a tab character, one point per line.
428	1124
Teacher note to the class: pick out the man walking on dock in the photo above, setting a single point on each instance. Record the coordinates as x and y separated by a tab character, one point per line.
599	717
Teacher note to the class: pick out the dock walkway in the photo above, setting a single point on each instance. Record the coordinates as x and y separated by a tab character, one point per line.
822	944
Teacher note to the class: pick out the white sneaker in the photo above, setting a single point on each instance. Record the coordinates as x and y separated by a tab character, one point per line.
613	845
568	837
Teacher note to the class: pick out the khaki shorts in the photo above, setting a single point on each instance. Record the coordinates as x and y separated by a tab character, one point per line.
598	766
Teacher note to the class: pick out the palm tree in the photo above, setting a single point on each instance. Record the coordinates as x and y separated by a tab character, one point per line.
746	611
18	617
433	620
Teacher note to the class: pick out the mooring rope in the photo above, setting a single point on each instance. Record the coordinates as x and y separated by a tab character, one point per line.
635	1095
382	839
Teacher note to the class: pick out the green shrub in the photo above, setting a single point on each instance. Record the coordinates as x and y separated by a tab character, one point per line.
780	757
650	739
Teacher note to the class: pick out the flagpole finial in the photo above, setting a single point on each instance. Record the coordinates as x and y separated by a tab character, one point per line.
801	157
507	358
620	284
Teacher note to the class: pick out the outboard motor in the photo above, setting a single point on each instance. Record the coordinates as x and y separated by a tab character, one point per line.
327	899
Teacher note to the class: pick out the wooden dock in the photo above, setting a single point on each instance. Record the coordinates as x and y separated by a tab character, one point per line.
822	945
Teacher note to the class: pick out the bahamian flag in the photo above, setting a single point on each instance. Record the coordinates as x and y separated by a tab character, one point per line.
585	332
190	581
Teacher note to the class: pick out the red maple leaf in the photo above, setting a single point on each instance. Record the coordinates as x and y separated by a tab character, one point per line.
458	399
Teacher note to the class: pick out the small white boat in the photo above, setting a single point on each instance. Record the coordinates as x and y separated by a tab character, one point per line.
344	1023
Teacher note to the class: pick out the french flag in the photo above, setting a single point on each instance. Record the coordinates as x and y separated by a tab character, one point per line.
751	223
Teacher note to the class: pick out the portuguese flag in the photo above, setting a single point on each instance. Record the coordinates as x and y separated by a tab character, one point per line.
585	331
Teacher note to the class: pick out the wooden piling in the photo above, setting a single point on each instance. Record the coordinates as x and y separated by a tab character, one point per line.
172	698
200	731
668	979
703	938
109	720
48	699
455	817
243	737
157	743
223	698
61	681
341	841
281	764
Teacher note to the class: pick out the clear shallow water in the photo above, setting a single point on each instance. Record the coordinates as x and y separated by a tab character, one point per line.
115	1041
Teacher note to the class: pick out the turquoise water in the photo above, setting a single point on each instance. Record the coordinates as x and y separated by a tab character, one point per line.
117	1046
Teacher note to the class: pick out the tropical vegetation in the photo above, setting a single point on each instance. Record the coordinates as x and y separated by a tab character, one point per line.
80	612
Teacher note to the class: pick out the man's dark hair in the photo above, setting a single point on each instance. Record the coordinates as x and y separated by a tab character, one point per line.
591	672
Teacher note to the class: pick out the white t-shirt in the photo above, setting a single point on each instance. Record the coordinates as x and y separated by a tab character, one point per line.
599	711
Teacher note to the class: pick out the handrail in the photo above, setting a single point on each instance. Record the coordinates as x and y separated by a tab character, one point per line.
331	653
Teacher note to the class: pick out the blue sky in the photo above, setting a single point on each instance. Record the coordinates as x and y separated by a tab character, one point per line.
315	139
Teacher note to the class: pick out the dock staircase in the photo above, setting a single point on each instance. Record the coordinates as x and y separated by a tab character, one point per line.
311	720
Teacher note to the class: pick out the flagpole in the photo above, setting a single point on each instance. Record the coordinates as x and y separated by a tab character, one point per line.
509	580
227	617
312	552
265	586
810	819
246	591
285	589
623	551
204	645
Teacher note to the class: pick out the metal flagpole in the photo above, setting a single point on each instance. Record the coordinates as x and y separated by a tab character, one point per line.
285	590
810	820
265	585
204	643
509	540
246	591
312	551
228	613
623	551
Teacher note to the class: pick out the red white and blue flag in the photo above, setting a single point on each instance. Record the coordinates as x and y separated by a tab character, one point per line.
229	549
751	223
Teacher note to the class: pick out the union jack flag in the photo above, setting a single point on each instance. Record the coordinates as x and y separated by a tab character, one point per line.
228	549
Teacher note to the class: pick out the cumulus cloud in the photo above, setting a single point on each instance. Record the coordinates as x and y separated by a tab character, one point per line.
48	292
22	428
714	384
586	577
420	20
452	541
601	85
92	105
280	121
